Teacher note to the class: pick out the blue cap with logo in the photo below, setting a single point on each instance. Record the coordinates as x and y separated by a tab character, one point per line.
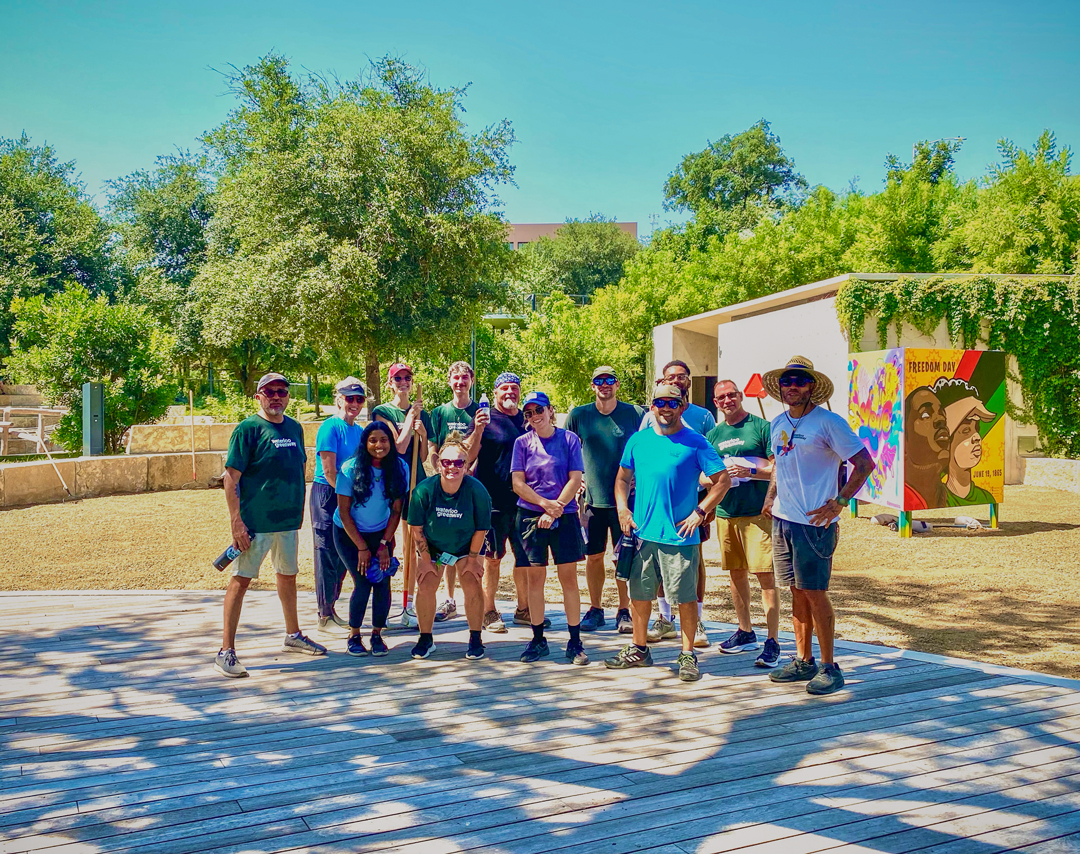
537	397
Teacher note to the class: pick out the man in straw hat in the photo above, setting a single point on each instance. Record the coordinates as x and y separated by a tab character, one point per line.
809	444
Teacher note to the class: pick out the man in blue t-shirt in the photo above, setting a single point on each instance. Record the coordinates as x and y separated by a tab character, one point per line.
667	463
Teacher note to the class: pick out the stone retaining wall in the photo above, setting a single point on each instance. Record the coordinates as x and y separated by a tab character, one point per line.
176	438
1055	474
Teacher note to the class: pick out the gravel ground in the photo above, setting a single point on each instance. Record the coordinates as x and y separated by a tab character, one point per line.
997	596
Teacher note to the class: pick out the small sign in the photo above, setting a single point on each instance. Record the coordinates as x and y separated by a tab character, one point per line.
755	388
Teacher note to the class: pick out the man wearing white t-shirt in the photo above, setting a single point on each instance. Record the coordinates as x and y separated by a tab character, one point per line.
809	445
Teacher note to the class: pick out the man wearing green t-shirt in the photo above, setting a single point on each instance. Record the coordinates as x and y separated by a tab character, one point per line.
742	441
604	427
264	490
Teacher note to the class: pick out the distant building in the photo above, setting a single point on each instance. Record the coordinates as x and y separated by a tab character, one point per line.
527	232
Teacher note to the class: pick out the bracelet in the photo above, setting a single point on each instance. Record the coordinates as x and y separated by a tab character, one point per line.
699	511
474	554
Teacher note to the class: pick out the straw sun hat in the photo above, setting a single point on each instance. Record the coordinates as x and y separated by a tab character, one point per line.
823	387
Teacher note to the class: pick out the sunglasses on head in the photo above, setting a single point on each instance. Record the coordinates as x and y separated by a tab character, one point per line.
799	380
452	464
667	403
354	398
532	411
275	392
604	381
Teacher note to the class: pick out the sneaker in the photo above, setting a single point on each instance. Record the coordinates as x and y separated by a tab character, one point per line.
476	651
661	630
828	679
593	619
493	622
688	669
303	645
227	664
536	650
445	611
701	640
575	653
770	655
423	648
356	646
629	656
624	623
378	645
330	626
408	619
795	670
343	623
739	641
521	618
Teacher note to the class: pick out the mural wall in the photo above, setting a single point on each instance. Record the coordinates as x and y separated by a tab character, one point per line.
876	414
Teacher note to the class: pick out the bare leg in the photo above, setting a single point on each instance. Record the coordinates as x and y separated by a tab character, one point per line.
521	584
688	624
491	582
451	581
286	594
234	601
740	597
427	587
824	621
640	613
770	601
536	575
571	595
474	600
803	618
594	577
700	574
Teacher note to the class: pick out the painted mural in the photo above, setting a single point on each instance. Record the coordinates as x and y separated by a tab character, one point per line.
876	414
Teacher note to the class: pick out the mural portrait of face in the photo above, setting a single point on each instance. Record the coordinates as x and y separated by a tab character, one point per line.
926	428
966	447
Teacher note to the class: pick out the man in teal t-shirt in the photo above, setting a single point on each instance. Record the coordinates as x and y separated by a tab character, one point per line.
604	427
742	441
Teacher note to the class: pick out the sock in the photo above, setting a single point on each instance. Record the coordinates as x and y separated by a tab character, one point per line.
538	632
665	608
296	634
575	633
474	637
641	648
700	609
426	637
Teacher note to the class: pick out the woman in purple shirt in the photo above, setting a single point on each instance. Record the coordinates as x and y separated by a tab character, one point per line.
546	470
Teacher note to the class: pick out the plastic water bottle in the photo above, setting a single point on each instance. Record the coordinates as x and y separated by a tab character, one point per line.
226	557
483	402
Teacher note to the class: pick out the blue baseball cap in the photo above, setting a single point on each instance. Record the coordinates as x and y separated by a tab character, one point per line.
537	397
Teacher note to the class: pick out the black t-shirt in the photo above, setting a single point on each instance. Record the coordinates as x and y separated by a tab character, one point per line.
496	453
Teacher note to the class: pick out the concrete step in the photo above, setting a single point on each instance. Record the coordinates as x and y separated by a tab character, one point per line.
20	400
14	388
28	446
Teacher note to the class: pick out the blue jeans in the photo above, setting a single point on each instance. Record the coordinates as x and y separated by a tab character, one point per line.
362	588
802	554
329	570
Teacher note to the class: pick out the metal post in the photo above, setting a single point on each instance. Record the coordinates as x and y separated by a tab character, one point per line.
309	388
853	506
210	377
93	412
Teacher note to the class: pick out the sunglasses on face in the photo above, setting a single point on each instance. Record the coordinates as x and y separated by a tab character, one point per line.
452	464
275	392
667	403
532	412
402	378
604	381
727	394
354	398
796	379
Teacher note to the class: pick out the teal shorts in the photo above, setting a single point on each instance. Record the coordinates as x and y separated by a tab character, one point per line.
675	566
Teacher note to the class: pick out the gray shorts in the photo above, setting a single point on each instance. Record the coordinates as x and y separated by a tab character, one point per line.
282	547
802	554
676	566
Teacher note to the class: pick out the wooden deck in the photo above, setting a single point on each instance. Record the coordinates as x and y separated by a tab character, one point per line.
117	735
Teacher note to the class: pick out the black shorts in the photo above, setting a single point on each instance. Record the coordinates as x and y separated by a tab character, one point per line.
599	522
503	527
564	542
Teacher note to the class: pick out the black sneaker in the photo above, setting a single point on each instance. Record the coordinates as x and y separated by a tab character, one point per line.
739	641
624	623
593	620
423	648
688	669
378	645
770	656
575	653
828	679
356	646
476	651
795	670
629	656
536	650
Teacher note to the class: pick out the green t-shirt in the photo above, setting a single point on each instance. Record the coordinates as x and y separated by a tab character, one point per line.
603	438
271	460
749	438
447	418
397	416
976	495
449	521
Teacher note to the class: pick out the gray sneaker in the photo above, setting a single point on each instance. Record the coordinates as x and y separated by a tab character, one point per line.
629	656
688	669
661	630
303	645
795	670
445	611
227	664
828	679
493	622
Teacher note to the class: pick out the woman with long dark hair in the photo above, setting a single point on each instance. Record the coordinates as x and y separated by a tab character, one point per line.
370	490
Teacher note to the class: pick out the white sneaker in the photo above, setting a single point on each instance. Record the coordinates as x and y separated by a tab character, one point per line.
408	619
331	626
227	664
701	640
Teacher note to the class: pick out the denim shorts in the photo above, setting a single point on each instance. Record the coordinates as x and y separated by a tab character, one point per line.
802	554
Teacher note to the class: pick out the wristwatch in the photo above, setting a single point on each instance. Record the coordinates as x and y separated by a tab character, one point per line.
843	502
384	542
700	512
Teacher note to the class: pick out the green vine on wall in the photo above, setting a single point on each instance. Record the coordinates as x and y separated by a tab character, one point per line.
1035	320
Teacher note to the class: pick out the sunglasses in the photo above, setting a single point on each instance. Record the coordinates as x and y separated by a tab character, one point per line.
604	381
667	403
401	378
726	395
532	412
799	380
354	398
274	392
452	464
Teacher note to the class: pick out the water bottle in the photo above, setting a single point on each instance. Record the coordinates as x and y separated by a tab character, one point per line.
226	557
483	402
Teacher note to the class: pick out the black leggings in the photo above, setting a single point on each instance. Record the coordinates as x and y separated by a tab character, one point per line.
362	588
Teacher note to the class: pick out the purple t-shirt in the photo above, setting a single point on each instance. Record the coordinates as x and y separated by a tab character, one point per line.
547	464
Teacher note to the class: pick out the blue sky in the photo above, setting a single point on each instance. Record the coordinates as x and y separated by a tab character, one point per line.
605	97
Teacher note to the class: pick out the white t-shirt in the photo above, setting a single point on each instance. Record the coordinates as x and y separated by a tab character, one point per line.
807	463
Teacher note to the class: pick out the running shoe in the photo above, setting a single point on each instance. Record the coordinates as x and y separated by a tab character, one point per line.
575	653
828	679
329	626
688	669
624	623
445	611
701	640
629	656
536	650
739	641
424	647
661	630
795	670
378	645
476	650
303	645
408	619
593	620
521	618
356	646
227	664
770	655
493	622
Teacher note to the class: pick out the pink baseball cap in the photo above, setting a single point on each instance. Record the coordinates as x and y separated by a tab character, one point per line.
397	368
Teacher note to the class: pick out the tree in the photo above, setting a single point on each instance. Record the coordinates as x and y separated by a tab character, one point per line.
735	181
584	255
73	338
356	215
51	237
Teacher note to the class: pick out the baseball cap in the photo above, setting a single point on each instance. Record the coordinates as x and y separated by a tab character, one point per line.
604	371
397	368
350	385
666	390
537	397
266	379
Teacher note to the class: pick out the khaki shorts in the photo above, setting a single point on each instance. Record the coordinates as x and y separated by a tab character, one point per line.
282	547
675	566
745	543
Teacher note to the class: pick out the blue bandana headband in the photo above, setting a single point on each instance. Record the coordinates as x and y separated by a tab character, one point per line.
507	377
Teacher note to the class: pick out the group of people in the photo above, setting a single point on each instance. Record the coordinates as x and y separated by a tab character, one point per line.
649	482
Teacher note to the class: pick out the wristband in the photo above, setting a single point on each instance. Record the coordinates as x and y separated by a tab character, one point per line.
699	511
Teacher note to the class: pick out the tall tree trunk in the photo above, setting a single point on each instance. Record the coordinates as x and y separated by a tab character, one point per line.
371	378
